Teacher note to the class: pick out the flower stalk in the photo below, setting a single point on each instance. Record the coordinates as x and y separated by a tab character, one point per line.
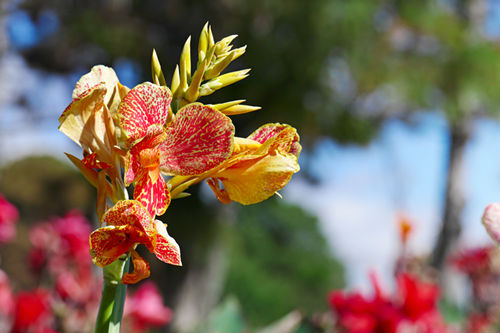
114	291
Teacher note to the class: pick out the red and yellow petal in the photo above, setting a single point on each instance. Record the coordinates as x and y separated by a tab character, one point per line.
132	213
132	168
250	181
145	105
198	139
140	271
90	161
108	243
220	193
277	137
167	249
154	196
267	131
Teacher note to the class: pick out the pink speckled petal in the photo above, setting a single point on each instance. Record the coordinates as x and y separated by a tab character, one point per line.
198	139
166	249
145	105
154	196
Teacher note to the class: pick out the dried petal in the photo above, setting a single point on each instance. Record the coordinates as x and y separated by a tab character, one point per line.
78	120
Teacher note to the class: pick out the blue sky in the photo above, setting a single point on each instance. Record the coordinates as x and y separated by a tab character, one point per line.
363	190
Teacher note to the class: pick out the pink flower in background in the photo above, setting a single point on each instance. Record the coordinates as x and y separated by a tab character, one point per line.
61	243
145	308
8	217
74	230
6	298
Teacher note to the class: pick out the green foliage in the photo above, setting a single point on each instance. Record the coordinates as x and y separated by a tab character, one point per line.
225	318
279	261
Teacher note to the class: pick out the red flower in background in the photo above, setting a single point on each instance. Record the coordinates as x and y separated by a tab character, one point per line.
32	312
145	308
474	261
414	306
8	218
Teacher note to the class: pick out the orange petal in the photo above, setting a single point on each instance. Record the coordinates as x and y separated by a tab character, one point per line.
109	243
145	105
166	248
140	272
198	139
220	193
132	213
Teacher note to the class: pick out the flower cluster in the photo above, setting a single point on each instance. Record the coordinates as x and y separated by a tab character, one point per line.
159	140
413	308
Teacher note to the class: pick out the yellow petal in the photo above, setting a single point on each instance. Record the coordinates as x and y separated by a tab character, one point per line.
253	180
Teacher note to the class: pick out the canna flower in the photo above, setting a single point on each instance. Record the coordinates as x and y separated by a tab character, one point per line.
260	165
128	224
197	139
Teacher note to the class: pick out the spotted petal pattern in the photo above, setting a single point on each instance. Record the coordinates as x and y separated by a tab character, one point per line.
108	243
198	139
145	105
91	162
131	213
278	136
154	196
167	249
97	75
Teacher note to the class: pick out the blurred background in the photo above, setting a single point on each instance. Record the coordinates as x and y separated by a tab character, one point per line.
396	103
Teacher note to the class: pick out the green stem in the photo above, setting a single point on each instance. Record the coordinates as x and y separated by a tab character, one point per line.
114	291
